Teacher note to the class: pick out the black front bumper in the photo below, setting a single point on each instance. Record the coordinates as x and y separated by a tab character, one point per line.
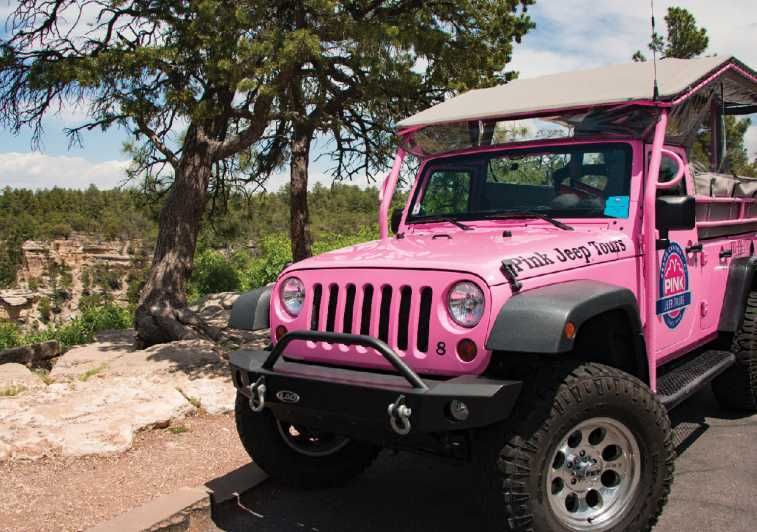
358	403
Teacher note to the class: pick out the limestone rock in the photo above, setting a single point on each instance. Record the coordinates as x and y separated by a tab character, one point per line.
78	254
105	392
77	362
17	304
215	395
221	299
5	451
215	309
82	418
15	301
16	379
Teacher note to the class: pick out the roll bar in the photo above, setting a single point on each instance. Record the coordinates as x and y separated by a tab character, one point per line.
387	192
651	185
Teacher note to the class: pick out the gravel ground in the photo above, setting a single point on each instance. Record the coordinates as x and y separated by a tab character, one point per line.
76	493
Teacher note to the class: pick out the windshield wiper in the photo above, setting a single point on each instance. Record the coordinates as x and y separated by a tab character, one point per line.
431	219
522	215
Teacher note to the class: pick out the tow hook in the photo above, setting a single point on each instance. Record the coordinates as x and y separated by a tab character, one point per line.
399	416
257	395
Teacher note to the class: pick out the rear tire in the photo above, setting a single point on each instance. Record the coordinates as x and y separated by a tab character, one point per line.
308	463
538	475
736	387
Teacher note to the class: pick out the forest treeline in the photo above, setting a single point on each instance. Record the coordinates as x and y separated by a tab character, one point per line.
238	230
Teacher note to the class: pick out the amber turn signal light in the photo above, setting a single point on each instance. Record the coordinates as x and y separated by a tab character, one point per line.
466	350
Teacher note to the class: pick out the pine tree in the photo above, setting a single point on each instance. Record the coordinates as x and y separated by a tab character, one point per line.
685	40
198	83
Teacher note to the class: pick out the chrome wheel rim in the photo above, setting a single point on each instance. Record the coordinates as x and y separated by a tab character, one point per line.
593	474
309	443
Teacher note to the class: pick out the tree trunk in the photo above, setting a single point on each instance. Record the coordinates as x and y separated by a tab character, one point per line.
299	226
162	314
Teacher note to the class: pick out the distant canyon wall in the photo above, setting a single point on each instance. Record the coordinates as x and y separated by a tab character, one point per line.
56	277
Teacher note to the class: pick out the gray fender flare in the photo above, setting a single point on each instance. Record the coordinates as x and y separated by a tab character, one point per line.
251	310
740	277
534	321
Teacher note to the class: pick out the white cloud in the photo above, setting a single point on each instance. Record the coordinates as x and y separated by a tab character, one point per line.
591	33
37	170
532	62
570	35
580	34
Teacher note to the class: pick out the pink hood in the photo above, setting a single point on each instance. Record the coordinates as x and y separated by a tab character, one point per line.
533	249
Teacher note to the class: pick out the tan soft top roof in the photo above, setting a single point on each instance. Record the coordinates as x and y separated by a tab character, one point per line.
587	88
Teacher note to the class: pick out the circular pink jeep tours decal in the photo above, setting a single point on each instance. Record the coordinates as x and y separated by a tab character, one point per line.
674	286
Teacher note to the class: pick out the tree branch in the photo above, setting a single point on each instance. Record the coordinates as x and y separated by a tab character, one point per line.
248	136
157	142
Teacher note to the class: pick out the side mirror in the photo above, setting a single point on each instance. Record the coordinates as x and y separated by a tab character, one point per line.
674	213
396	219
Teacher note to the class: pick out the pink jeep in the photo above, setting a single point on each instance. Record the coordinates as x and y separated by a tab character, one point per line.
570	265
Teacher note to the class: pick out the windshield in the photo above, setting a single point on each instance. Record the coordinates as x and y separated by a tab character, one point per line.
585	181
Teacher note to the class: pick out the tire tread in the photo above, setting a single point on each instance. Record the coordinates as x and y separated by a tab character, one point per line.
263	443
736	388
554	391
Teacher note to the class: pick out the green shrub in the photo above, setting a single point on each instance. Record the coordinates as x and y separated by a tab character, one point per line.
78	331
212	272
9	335
275	252
66	279
334	241
106	278
89	300
45	309
107	316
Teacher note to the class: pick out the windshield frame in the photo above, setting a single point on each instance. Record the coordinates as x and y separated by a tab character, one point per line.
468	159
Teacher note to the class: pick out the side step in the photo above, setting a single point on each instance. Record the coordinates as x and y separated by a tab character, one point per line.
685	380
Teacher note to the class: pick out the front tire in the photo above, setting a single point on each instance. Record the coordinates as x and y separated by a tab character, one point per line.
589	450
298	456
736	387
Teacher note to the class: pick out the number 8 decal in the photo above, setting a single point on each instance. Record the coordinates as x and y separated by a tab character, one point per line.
441	348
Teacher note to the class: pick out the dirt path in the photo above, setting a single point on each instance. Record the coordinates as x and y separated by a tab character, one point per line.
76	493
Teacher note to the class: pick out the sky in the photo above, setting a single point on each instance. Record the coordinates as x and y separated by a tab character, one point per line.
569	35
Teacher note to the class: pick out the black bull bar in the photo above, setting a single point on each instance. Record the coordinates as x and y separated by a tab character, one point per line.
365	404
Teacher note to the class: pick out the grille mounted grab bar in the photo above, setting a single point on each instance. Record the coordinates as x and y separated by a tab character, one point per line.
347	339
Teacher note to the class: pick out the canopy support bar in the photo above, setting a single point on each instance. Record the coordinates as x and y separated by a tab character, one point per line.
387	192
650	246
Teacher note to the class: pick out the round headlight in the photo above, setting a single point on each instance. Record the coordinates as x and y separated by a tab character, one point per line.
466	304
292	295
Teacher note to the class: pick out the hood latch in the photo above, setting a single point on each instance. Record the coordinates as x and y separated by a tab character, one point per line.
511	274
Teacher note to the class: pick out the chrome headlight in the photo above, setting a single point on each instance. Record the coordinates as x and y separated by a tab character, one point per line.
292	295
466	304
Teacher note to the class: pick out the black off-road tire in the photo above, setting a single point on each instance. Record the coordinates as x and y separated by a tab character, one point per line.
264	443
512	457
736	387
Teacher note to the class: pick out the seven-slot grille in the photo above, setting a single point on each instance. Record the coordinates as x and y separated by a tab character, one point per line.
398	316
